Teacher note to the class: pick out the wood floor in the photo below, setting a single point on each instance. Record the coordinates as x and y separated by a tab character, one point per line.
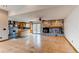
48	44
57	45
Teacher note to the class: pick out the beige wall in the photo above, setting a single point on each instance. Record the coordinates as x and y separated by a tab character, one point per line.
3	24
72	27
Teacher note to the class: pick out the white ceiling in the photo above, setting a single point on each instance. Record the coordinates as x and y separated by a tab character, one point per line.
19	9
16	10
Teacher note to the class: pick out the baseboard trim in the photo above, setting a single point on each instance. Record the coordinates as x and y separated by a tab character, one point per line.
71	45
4	40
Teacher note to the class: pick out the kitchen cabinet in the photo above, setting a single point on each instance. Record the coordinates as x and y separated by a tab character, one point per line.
53	27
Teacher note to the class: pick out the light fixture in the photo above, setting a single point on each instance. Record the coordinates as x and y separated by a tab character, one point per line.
40	19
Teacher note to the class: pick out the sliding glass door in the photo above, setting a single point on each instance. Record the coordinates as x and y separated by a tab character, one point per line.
36	28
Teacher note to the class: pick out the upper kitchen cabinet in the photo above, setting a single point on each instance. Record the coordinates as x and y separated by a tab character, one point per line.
53	23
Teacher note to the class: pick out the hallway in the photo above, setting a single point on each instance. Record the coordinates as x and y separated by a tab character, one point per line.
42	44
